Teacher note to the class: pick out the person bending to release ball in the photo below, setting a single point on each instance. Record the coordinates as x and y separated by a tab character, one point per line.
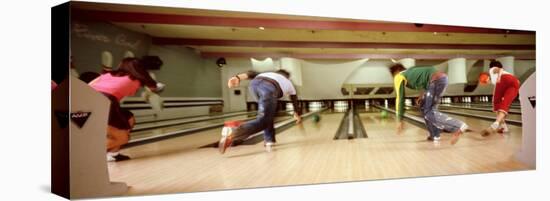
506	90
432	83
115	85
267	88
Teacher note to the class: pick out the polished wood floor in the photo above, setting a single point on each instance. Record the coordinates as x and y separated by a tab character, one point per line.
307	154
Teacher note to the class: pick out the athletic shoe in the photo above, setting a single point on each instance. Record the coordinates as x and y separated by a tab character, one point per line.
110	158
434	139
225	142
269	146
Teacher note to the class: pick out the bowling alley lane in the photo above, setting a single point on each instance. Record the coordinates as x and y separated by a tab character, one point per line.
306	154
179	165
483	105
478	124
161	130
471	154
484	113
147	133
144	124
486	108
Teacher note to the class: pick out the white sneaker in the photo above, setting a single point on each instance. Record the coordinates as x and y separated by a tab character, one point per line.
464	128
434	139
269	146
494	125
111	157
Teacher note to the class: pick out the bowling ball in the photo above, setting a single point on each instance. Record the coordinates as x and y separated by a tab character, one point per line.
384	114
316	118
484	78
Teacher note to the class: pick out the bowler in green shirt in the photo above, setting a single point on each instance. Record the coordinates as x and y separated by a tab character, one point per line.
432	83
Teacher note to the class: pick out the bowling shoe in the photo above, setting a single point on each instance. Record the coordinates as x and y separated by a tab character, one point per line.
225	142
269	146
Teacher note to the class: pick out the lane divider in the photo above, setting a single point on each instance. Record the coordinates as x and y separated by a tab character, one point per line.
476	108
351	126
187	117
420	120
484	117
186	121
489	118
154	138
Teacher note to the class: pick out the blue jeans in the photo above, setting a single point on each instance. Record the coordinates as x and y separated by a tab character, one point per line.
267	95
435	120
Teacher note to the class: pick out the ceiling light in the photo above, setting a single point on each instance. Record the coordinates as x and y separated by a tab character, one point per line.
261	28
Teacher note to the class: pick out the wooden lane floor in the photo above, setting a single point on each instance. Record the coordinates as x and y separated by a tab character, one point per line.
411	155
307	154
497	149
178	165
